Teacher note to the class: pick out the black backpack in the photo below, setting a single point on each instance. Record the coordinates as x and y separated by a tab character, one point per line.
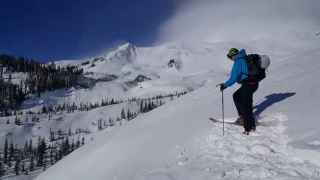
257	66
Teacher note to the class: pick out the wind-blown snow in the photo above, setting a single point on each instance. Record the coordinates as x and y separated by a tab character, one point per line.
222	21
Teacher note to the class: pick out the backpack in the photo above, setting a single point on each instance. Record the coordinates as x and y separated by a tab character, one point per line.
257	66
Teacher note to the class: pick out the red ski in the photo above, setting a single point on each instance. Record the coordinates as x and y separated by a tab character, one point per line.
219	121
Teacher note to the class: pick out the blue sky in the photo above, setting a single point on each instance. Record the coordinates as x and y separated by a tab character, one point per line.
48	30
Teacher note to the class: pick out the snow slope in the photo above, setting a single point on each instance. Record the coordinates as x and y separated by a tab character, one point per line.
177	141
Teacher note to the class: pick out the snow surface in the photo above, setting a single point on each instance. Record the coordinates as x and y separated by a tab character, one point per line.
177	141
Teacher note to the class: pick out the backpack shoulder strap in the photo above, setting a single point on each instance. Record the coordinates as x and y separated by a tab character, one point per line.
246	59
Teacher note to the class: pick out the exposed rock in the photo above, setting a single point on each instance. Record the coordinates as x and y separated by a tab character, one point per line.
141	78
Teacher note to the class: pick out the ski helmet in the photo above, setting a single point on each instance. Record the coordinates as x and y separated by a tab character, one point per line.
232	52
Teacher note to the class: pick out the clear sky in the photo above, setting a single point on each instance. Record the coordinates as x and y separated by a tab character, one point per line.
48	30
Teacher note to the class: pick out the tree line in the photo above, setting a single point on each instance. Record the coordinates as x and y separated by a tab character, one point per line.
41	77
35	156
70	108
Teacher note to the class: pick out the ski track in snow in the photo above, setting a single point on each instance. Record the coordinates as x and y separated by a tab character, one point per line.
263	154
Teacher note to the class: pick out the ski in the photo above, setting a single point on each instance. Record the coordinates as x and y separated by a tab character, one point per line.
219	121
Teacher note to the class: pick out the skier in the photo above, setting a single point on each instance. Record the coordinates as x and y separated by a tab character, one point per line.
244	95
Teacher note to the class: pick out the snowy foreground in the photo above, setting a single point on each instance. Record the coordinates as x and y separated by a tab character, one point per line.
177	141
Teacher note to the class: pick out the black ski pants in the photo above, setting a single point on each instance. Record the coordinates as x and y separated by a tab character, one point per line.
243	99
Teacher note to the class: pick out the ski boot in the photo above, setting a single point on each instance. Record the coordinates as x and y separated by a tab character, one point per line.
239	121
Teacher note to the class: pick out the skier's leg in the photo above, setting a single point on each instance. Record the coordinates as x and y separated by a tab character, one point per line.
254	89
246	94
237	100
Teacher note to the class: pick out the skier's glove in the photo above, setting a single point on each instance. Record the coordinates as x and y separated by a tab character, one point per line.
221	86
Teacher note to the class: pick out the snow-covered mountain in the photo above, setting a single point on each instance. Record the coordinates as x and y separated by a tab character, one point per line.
176	140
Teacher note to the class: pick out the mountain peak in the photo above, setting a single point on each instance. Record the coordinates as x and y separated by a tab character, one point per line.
126	46
123	54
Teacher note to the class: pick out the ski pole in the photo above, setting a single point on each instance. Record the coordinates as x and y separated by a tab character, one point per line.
222	109
222	113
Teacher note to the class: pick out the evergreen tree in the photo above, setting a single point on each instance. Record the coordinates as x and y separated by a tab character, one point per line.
128	115
60	154
44	165
30	146
11	151
16	167
100	124
82	143
51	135
72	145
41	151
26	148
51	156
31	163
70	131
141	106
5	153
62	147
23	167
78	143
59	132
153	105
67	147
1	169
17	121
110	122
21	154
146	107
27	119
56	157
149	106
123	114
8	121
44	162
44	110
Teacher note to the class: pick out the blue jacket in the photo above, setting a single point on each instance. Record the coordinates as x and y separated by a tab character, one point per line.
239	67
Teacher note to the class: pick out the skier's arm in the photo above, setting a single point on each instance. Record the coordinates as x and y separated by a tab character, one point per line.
235	73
